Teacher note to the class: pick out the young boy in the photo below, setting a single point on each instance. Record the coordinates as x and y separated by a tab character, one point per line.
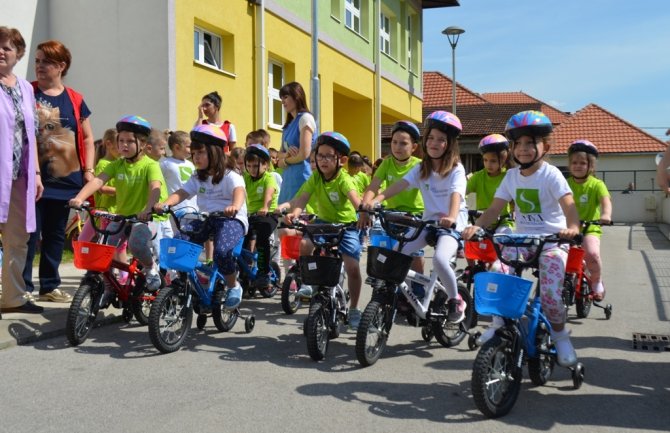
337	201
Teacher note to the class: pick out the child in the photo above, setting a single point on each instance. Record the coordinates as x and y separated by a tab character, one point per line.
337	201
218	189
441	179
593	203
177	169
253	137
155	148
261	198
543	203
139	186
356	169
236	161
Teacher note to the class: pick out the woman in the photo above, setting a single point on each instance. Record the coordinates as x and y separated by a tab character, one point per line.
20	182
209	114
296	140
67	160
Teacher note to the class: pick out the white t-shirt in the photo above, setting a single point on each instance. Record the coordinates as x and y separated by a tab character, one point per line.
213	198
436	192
176	172
536	207
278	179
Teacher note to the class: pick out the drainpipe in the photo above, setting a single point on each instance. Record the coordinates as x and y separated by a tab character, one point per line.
262	88
377	135
315	85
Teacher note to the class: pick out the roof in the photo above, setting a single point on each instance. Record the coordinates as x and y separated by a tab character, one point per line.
429	4
610	133
554	114
437	92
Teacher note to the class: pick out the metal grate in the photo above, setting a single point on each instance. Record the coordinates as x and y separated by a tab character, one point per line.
651	342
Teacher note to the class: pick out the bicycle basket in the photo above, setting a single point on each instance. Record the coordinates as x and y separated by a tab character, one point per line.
290	247
383	241
575	259
179	254
320	270
388	265
481	250
501	294
92	257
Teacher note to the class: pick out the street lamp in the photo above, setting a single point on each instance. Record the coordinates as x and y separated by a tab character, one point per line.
453	34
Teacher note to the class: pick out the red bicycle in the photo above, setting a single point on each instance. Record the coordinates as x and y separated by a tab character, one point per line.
577	288
101	287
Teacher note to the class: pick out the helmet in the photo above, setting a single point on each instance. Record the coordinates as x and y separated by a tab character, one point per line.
583	146
408	127
493	143
258	150
338	141
445	122
531	122
209	135
135	124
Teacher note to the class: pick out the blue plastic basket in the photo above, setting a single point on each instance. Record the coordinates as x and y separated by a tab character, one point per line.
383	241
179	254
501	294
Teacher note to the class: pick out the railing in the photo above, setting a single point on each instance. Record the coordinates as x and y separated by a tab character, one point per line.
621	180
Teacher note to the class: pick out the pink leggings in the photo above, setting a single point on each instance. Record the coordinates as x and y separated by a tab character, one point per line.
552	272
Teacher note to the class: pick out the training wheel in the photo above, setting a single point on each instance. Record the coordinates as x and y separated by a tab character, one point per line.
249	323
608	311
472	340
578	375
426	334
201	321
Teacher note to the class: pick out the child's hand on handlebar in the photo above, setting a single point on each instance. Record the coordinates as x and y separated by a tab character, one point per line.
230	211
75	203
469	232
568	233
447	222
145	215
160	208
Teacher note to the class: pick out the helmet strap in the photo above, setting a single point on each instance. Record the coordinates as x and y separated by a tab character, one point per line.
401	160
137	152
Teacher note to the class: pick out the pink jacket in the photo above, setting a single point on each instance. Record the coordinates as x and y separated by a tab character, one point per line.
6	154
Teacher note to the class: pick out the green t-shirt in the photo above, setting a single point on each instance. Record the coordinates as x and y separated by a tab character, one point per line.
256	191
132	184
587	199
332	201
104	201
362	182
389	172
485	187
310	207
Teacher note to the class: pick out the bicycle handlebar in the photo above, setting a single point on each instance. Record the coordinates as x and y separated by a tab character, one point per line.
395	223
96	213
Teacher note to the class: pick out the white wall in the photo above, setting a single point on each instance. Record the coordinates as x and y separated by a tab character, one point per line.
30	18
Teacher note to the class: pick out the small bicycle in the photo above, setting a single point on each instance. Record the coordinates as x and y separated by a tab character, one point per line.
525	336
247	265
577	288
172	310
291	301
101	287
391	280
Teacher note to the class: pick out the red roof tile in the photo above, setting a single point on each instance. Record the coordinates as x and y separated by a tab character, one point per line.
610	133
557	116
437	92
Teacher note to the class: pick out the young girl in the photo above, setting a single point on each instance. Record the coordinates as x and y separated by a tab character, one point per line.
441	179
543	202
139	185
217	189
593	203
236	161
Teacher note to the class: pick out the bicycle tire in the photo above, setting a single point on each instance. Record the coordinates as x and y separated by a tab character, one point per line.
170	319
373	332
318	331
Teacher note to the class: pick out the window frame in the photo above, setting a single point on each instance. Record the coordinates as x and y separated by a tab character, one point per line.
385	33
202	43
351	13
273	93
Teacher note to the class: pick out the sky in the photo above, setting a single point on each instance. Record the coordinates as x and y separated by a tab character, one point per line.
567	53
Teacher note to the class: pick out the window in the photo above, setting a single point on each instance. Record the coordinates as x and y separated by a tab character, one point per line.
276	113
352	15
207	48
384	34
335	9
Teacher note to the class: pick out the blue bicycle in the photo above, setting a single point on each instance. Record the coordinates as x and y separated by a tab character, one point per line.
526	335
198	287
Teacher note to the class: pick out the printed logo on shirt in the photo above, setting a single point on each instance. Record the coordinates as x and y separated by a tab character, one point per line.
120	176
185	173
528	201
584	199
201	190
260	190
334	196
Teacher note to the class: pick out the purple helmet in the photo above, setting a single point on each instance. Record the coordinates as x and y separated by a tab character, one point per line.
532	123
209	135
445	122
583	146
408	127
258	150
336	140
493	143
134	124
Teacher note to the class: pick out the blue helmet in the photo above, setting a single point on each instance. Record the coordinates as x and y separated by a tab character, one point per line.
532	123
408	127
336	140
258	150
134	124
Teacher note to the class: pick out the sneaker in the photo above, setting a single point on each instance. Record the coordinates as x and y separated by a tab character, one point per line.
234	297
29	297
153	280
490	331
305	291
28	307
354	318
565	353
261	282
56	295
456	310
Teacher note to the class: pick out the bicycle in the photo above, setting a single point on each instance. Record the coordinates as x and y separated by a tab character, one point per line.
291	301
100	287
391	281
577	288
248	276
525	336
172	311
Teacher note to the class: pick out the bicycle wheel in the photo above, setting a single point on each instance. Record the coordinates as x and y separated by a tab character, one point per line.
446	333
82	313
290	301
541	367
317	331
273	286
496	380
224	319
584	301
141	308
170	319
373	332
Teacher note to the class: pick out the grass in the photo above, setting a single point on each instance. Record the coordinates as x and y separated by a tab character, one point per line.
68	257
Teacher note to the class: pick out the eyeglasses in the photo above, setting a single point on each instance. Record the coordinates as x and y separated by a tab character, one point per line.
329	158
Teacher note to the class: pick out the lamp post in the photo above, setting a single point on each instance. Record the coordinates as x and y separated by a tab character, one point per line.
453	34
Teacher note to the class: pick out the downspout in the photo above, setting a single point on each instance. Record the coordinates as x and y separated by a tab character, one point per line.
378	85
261	89
315	85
